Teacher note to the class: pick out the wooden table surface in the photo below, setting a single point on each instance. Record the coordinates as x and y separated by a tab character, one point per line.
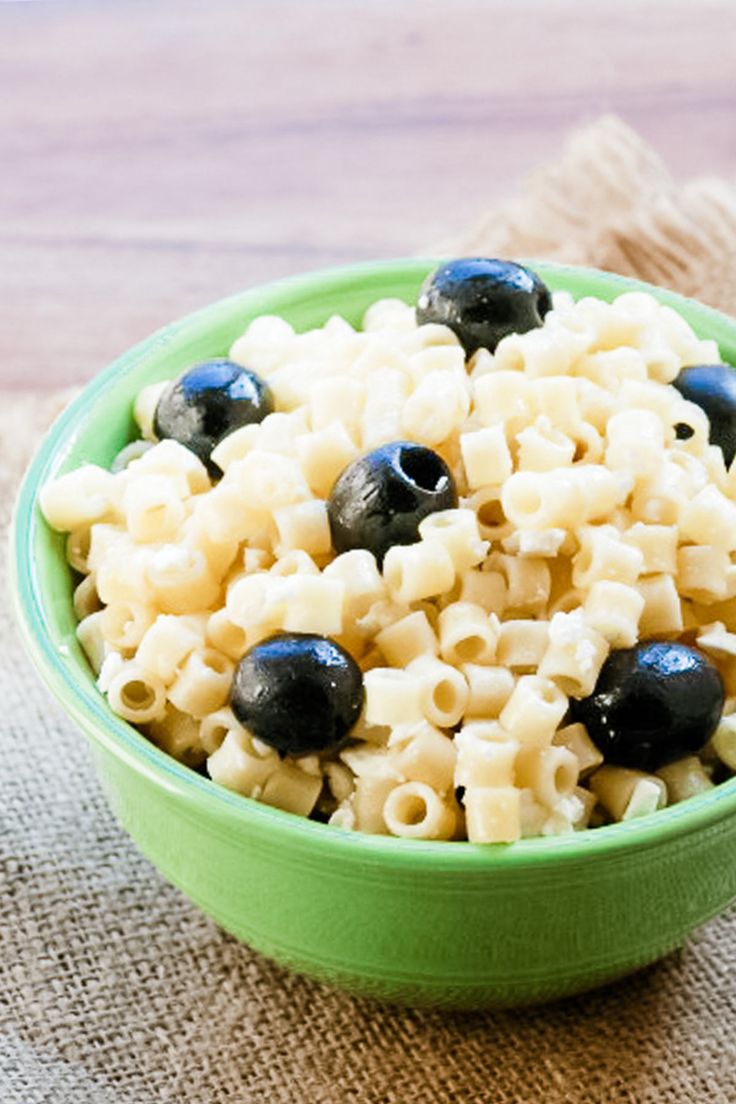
155	156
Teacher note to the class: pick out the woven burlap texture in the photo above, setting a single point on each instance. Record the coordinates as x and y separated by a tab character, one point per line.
115	990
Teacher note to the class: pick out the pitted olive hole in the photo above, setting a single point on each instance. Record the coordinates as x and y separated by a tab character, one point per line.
422	468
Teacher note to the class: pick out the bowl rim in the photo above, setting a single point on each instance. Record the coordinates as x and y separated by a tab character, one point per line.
88	708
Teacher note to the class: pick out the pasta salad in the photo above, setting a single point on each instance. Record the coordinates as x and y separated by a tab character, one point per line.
467	572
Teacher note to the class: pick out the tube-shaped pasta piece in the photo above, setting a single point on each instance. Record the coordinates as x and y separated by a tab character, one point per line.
429	756
489	688
308	603
505	398
153	508
492	814
269	480
380	419
414	810
613	610
235	446
575	654
407	638
443	690
484	762
266	342
534	710
77	548
241	766
635	442
305	526
392	697
224	514
122	575
437	405
628	793
522	644
364	585
203	683
291	789
610	367
702	572
534	543
215	726
324	454
172	459
551	773
416	571
662	611
467	634
368	803
484	588
565	498
124	624
90	636
226	636
486	456
492	522
712	515
603	555
178	735
685	778
723	741
528	581
86	600
458	531
77	498
557	401
576	739
144	408
657	544
336	400
135	695
180	579
541	448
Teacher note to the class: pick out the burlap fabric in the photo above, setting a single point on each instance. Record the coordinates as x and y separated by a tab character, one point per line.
115	990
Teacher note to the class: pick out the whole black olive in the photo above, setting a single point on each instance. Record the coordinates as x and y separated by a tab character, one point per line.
208	401
713	388
297	692
652	704
482	300
379	500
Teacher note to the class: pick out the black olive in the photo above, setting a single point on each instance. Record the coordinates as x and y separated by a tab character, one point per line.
482	300
208	401
652	704
379	500
713	388
298	692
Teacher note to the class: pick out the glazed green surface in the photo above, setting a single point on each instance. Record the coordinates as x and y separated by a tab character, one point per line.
456	923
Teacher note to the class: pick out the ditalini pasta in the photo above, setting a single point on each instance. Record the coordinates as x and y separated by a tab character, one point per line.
590	513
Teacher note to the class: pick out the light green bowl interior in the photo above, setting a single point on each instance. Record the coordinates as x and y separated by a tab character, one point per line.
99	422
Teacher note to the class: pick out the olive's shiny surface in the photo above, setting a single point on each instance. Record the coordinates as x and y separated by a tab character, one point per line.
298	692
208	401
652	704
713	388
482	300
379	500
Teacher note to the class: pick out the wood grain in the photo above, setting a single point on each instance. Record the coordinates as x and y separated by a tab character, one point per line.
157	156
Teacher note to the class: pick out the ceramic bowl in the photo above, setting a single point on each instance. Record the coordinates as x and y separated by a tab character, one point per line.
459	924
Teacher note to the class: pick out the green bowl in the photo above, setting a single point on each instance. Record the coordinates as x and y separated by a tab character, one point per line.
458	924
